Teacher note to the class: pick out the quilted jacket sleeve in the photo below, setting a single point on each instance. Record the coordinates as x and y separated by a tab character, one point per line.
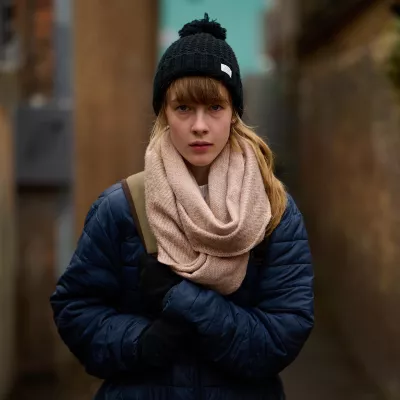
86	297
257	342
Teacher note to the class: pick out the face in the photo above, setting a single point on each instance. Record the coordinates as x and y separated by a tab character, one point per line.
199	131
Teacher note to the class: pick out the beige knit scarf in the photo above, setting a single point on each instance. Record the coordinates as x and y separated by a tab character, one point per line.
206	242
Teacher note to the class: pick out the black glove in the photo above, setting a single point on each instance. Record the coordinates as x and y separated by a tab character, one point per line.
156	279
165	341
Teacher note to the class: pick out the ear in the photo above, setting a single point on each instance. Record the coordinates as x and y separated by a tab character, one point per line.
235	117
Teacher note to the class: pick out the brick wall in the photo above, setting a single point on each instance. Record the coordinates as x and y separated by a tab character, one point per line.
115	49
350	180
35	27
7	259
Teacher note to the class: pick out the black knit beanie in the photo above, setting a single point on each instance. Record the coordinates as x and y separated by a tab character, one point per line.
201	50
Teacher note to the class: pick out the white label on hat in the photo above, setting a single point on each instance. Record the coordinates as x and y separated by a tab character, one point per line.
226	69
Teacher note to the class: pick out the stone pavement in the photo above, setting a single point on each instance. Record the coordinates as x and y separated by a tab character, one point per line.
323	371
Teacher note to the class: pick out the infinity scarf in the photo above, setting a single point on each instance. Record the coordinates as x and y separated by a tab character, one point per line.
206	242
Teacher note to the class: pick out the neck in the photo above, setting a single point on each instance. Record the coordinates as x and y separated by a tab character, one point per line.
200	174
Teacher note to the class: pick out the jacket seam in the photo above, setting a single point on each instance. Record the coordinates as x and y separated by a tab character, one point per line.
288	265
97	247
290	241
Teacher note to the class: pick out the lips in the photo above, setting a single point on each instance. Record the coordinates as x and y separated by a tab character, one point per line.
200	144
200	147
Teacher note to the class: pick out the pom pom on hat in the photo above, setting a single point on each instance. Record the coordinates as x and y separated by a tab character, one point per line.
203	26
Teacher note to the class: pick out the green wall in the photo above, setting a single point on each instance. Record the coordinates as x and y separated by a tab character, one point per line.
243	20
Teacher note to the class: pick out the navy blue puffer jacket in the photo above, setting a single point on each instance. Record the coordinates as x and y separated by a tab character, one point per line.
243	340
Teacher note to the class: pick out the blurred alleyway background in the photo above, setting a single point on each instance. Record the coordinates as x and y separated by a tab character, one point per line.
322	85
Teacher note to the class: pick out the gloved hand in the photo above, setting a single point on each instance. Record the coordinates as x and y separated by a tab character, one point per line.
164	341
156	279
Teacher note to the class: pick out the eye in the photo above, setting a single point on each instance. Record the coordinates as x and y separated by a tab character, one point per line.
182	108
216	107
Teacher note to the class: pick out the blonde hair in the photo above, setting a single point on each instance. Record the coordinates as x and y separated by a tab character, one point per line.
206	90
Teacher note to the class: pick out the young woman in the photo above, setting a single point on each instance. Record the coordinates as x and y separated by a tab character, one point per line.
228	302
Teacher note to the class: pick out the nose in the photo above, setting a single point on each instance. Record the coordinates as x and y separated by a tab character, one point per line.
199	126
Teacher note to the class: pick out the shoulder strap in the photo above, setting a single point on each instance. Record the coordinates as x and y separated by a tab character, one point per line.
133	187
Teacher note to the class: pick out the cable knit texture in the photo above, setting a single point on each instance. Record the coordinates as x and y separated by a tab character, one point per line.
206	243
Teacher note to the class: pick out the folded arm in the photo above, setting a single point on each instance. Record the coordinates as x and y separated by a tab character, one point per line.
257	342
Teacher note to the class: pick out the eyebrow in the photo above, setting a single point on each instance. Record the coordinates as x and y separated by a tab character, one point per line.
221	101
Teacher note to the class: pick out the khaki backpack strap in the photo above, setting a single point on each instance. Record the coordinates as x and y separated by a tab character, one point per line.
133	187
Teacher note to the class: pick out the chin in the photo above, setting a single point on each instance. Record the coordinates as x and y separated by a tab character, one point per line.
196	162
199	164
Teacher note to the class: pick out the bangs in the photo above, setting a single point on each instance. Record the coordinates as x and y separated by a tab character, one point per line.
198	90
